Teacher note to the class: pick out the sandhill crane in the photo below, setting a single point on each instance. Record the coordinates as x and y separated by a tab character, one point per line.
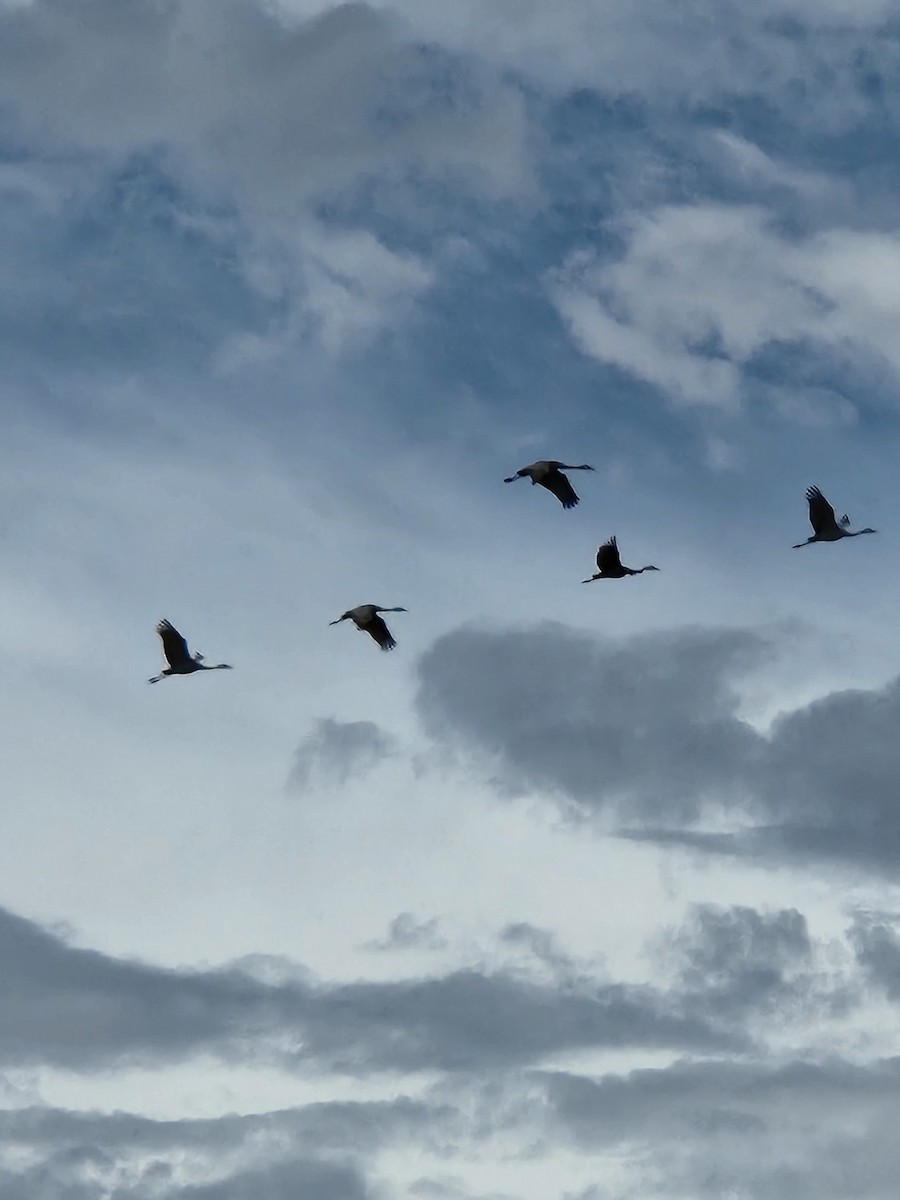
549	474
178	656
366	619
609	565
822	519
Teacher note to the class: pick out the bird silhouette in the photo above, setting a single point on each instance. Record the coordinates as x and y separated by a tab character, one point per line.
549	474
825	527
609	565
366	619
179	658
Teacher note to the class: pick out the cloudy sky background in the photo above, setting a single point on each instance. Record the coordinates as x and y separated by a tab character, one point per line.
583	893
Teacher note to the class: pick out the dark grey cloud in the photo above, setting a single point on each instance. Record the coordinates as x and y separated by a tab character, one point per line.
314	1128
800	1130
876	943
729	970
315	1150
543	944
738	959
81	1009
285	1181
88	1171
650	723
468	1021
406	932
646	733
333	751
77	1008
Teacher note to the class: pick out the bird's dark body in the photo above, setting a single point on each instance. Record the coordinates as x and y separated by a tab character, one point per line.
179	658
609	564
549	474
826	527
366	618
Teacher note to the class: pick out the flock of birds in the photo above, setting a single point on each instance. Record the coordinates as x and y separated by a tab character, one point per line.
548	474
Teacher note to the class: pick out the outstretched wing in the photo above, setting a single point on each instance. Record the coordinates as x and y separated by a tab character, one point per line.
608	560
174	646
821	514
559	485
380	632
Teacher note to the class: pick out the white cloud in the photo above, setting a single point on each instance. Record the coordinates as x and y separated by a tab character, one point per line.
344	286
699	290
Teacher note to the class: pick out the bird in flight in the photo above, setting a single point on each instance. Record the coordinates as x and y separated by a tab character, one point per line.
609	565
365	617
549	474
179	658
825	527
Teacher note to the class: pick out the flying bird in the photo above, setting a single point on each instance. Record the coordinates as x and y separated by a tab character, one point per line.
609	565
366	619
825	527
549	474
178	656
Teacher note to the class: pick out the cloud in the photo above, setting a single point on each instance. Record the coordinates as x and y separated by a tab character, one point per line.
800	1130
408	933
649	724
877	947
744	966
317	1150
334	751
83	1010
482	1035
80	1175
669	309
684	54
739	958
238	97
646	734
327	1128
222	171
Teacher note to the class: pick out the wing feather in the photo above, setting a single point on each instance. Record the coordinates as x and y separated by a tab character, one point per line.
559	485
380	632
608	557
821	514
175	648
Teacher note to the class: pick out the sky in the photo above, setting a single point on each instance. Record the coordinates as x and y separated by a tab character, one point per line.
582	892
